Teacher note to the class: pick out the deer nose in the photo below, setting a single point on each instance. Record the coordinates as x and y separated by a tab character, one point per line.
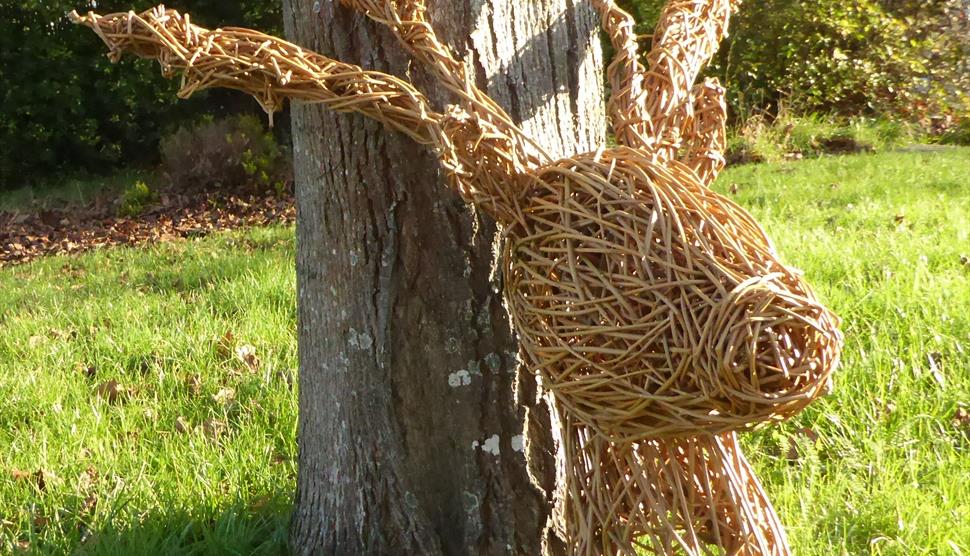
766	351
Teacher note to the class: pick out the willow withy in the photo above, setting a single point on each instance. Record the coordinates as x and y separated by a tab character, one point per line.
655	311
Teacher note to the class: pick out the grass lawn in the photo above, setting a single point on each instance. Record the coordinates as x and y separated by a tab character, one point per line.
133	424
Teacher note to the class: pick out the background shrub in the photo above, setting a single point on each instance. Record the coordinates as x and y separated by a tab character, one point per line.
65	108
897	58
135	198
231	151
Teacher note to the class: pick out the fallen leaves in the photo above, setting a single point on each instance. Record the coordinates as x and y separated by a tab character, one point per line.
193	383
214	429
224	396
225	344
901	223
89	371
247	355
111	391
58	334
24	237
88	478
38	478
89	504
227	347
961	420
182	426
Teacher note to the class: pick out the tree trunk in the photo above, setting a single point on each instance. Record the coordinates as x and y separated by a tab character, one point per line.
417	434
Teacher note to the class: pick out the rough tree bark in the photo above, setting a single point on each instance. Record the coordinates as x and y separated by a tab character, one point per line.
412	413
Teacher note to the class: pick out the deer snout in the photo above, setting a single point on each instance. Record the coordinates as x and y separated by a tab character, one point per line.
767	352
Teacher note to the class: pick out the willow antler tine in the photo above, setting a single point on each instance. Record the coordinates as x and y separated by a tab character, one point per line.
271	69
685	40
705	133
265	67
627	104
408	20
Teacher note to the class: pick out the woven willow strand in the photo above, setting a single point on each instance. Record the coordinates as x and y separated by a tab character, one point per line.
654	310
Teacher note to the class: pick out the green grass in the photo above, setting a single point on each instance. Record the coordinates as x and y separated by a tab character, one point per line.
151	320
71	192
889	473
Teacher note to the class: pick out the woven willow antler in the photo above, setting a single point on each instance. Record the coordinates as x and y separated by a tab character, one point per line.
655	310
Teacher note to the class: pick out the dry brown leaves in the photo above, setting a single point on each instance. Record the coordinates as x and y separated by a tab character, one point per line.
38	478
246	354
111	391
182	426
961	419
24	237
229	348
214	429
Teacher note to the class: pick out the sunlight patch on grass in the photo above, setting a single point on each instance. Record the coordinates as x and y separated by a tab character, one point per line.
193	451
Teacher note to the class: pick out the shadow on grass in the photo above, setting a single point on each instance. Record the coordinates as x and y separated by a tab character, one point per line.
259	527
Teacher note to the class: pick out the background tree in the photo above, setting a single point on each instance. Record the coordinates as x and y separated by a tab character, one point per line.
412	413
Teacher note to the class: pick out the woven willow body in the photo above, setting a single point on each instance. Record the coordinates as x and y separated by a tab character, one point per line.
655	310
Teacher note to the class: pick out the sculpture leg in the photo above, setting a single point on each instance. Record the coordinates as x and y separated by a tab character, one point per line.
692	496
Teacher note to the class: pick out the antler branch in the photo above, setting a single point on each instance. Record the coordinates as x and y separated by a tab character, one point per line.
685	40
627	104
706	131
661	110
478	154
408	20
268	68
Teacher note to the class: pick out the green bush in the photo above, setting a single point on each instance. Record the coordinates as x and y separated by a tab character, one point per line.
234	151
65	108
958	134
135	198
898	58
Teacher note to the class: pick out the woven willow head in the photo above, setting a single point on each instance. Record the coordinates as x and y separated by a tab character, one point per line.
654	309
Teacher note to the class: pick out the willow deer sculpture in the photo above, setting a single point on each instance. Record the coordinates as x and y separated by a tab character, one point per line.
655	310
